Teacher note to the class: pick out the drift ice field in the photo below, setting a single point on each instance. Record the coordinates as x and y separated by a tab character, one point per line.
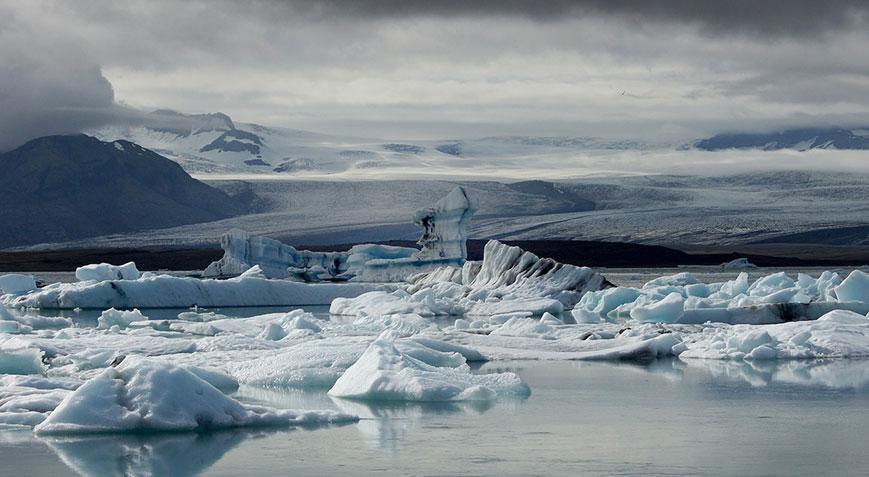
378	335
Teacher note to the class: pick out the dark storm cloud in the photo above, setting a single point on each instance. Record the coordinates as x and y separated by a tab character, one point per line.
450	67
764	17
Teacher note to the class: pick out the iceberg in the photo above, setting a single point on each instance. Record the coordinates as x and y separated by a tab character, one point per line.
444	227
152	396
386	373
774	298
738	264
509	280
277	260
104	271
444	232
15	283
166	291
112	318
837	334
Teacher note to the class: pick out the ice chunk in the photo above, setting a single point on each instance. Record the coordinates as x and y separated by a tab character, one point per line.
668	310
837	334
854	288
18	357
105	271
119	318
243	250
508	281
152	396
444	227
384	372
518	326
294	320
679	280
738	264
16	283
773	298
166	291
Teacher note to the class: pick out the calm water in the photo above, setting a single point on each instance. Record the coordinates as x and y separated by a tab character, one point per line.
807	418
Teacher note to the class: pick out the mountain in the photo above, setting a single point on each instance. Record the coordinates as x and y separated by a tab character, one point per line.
59	188
215	144
799	139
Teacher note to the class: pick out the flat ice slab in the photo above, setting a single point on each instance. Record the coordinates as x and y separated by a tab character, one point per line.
165	291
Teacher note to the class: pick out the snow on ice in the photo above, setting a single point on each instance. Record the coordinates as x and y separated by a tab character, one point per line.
149	396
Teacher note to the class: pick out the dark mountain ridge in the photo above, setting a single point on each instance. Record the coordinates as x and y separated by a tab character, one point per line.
59	188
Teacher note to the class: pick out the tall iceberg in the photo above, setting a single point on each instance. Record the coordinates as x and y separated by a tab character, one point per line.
444	227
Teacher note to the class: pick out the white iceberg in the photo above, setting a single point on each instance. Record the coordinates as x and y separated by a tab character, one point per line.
119	318
166	291
774	298
105	271
738	264
16	283
507	281
151	396
837	334
18	357
277	260
443	243
386	373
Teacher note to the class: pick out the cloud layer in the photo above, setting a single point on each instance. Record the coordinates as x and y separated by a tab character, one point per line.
671	69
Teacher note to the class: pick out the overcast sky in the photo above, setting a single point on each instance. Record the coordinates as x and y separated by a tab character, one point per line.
668	69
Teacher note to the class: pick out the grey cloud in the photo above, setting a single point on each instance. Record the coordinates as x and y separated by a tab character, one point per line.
765	17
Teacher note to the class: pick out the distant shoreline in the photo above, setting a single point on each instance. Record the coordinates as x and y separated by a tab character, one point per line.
592	254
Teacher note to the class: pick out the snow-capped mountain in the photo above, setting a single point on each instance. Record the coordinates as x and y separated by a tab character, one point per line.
799	139
214	143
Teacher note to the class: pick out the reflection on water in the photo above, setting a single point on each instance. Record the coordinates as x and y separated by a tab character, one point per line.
664	417
814	373
384	425
159	454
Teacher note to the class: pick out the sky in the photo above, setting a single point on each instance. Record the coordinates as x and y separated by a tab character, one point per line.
667	70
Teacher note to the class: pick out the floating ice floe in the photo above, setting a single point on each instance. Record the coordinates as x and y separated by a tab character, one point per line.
16	283
18	357
507	281
104	271
166	291
681	298
837	334
419	373
738	264
151	396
